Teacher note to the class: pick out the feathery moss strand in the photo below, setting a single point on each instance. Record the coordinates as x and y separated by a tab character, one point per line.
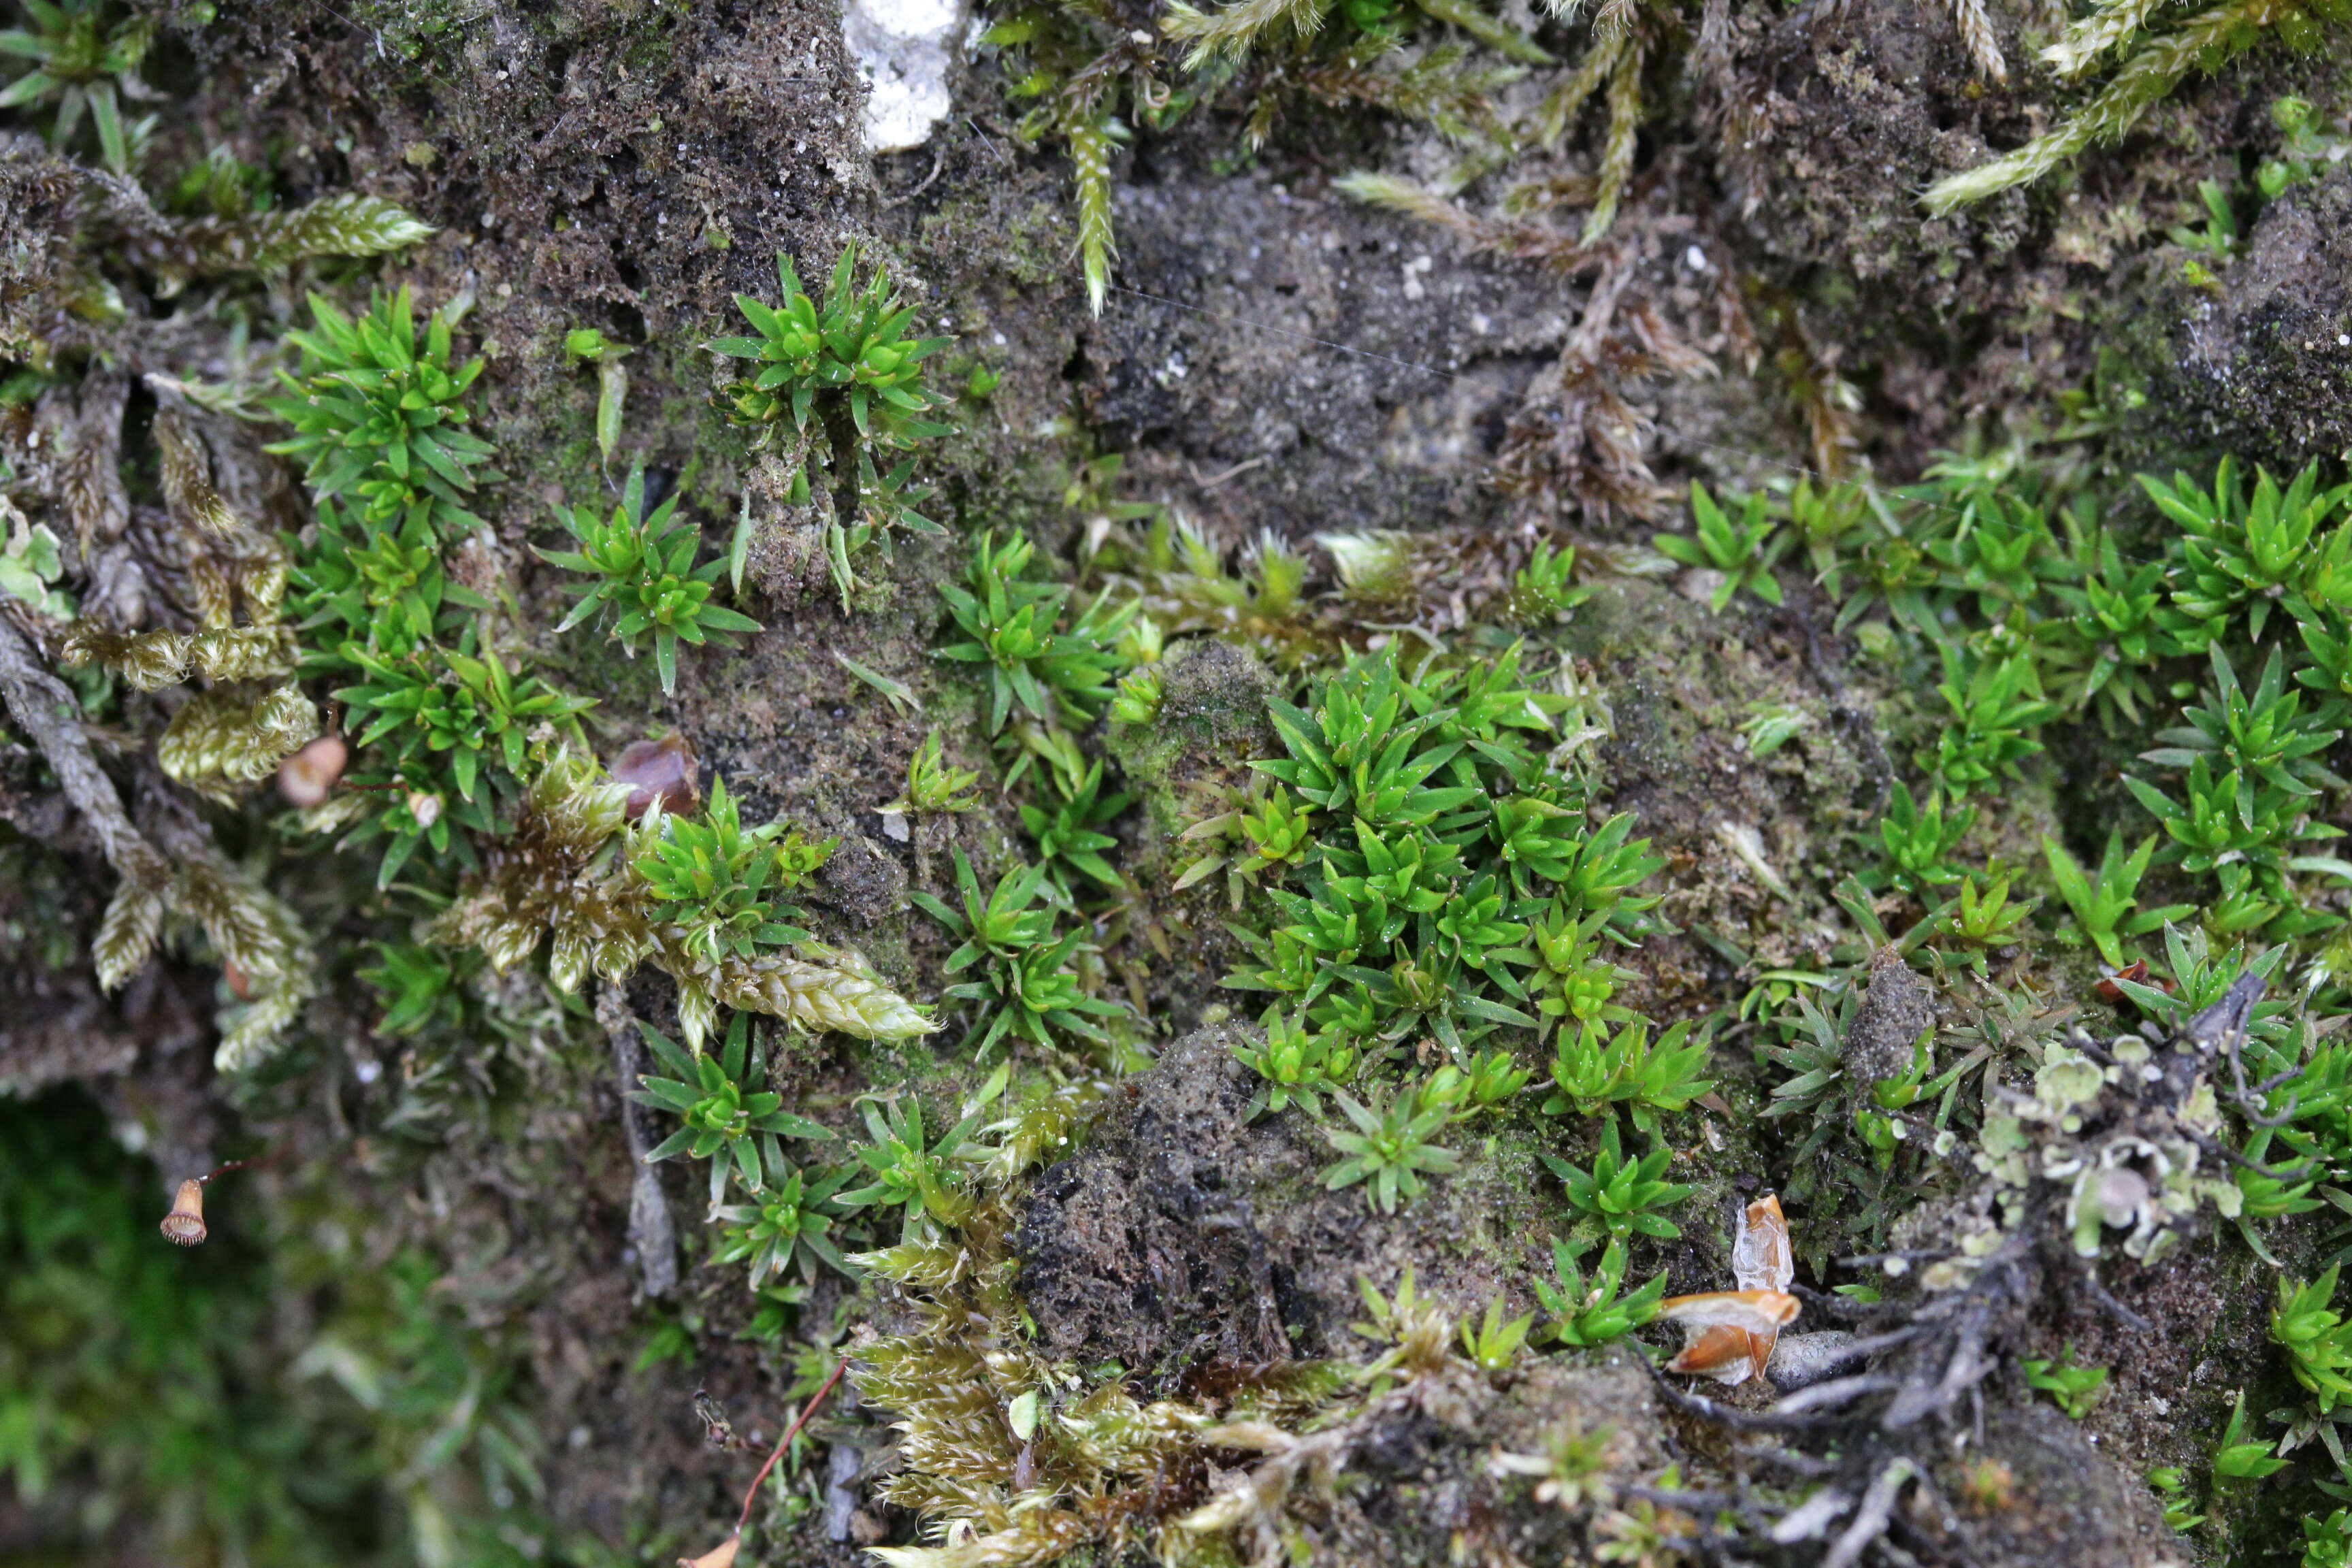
1230	32
233	736
187	477
350	224
1090	144
1490	30
148	660
1560	106
2109	26
260	943
2207	41
133	920
1617	152
1400	194
1975	27
683	895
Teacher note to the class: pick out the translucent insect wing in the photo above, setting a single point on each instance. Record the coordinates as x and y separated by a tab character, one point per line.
1761	1257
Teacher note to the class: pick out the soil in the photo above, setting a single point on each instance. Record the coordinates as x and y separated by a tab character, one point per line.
1275	361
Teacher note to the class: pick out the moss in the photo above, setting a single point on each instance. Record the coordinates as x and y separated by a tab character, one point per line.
2255	367
1256	1260
1020	229
488	1144
1212	720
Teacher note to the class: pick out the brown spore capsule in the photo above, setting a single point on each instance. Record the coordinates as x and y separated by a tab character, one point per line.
185	1223
308	776
661	770
720	1556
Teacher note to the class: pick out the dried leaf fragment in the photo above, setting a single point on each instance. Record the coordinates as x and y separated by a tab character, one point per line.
1728	1334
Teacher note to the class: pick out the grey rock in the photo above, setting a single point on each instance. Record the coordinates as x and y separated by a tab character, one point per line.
1800	1361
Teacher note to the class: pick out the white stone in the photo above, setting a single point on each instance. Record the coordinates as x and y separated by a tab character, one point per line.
904	48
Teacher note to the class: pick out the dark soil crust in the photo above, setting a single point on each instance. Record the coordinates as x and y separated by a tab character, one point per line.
1275	358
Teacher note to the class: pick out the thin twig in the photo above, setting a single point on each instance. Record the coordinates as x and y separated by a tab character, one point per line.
2107	1298
1708	1409
2253	1102
2285	1173
46	711
1845	1309
1688	1502
1886	1341
939	161
2247	1109
1910	1255
1789	1459
1234	472
1870	1515
1837	1391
